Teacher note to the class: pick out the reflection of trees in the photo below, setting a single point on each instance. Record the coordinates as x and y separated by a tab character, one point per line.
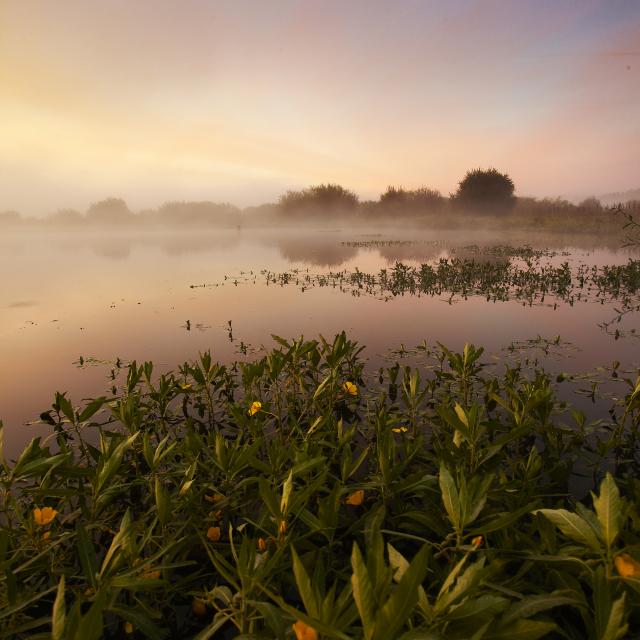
118	246
178	245
112	249
319	251
404	252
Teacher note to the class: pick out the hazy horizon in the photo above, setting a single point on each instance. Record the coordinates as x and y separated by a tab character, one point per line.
241	101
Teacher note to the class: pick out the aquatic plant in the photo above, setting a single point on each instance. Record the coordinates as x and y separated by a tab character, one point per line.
297	496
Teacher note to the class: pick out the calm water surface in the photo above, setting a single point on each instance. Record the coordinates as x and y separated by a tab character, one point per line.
109	295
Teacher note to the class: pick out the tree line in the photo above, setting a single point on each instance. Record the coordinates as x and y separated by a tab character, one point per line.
482	192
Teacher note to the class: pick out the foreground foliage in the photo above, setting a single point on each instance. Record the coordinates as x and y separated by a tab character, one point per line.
293	497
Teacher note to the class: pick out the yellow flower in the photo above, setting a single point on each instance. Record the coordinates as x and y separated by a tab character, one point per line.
477	541
303	631
254	408
356	498
213	533
262	545
350	388
128	628
400	430
627	566
198	607
185	387
282	527
44	516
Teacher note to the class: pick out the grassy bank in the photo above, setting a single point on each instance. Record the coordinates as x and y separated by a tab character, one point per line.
298	496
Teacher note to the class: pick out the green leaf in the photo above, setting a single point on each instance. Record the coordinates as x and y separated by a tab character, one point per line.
65	406
92	408
531	605
163	503
91	626
287	488
462	587
118	540
572	525
397	609
450	497
113	462
305	589
59	613
140	621
87	555
616	629
522	630
400	565
362	591
609	509
269	498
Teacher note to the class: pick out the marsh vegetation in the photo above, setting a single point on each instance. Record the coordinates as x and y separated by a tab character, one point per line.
317	489
298	495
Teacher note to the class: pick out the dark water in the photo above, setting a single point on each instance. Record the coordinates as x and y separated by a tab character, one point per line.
105	296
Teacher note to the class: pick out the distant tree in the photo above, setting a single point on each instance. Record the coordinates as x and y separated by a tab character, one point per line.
66	217
202	213
9	218
591	204
323	198
394	196
410	202
486	189
109	211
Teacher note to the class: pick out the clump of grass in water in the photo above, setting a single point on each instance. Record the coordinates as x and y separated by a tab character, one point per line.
285	497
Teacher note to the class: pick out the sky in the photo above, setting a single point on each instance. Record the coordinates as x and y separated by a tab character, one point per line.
240	100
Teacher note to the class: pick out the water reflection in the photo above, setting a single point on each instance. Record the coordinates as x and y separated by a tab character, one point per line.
108	295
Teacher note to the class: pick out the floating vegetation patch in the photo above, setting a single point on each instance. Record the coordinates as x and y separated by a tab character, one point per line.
291	497
455	278
507	251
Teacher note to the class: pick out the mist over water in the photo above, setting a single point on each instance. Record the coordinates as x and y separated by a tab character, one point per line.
167	296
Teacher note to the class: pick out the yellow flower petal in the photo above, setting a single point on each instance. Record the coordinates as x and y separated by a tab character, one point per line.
128	628
213	533
303	631
44	516
356	498
627	566
400	430
254	408
350	388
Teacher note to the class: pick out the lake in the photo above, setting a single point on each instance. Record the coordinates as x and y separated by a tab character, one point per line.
74	302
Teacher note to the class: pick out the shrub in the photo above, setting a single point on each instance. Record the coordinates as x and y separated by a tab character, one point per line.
486	189
323	198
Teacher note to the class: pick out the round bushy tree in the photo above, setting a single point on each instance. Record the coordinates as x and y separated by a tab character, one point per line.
486	189
320	199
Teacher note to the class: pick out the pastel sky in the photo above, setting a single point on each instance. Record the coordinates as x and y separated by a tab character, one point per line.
239	100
